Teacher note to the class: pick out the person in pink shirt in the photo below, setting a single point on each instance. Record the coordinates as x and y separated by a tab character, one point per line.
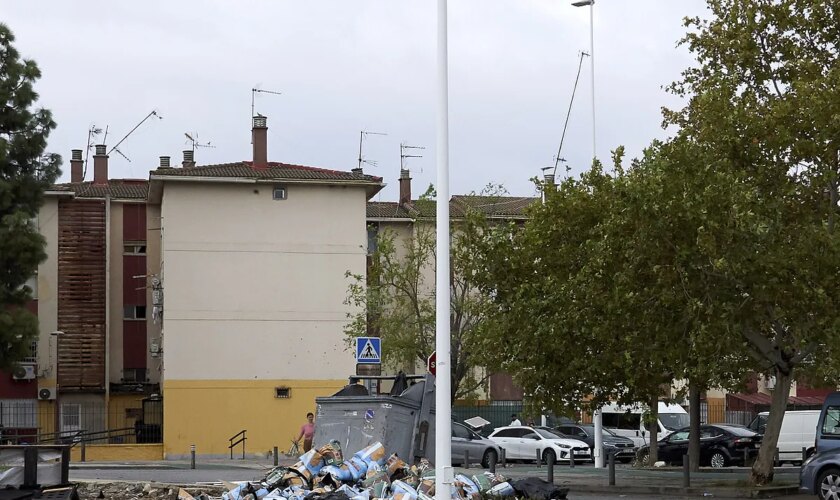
307	432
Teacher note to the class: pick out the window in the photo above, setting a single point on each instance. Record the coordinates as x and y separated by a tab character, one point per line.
279	193
509	433
282	392
71	417
134	312
372	236
709	432
831	425
134	249
459	431
33	353
678	436
136	375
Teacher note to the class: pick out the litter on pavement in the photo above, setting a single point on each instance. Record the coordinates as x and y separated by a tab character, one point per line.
325	474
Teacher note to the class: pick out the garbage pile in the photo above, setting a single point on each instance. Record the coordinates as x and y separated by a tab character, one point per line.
324	474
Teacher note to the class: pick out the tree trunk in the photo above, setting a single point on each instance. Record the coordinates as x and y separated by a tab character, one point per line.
653	430
694	423
762	469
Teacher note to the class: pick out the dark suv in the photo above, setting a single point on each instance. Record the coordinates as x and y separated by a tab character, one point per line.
623	448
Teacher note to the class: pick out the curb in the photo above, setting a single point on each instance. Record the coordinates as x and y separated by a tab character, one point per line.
769	492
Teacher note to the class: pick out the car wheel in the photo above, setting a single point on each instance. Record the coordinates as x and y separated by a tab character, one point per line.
550	456
490	456
828	484
717	460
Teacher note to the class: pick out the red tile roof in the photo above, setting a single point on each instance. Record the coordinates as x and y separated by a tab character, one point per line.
273	171
119	189
502	207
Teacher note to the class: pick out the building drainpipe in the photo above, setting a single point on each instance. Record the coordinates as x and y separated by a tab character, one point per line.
107	307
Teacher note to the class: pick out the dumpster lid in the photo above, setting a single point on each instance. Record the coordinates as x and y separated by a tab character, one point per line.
352	390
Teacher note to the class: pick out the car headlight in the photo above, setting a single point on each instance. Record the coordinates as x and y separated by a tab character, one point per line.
609	445
564	446
809	460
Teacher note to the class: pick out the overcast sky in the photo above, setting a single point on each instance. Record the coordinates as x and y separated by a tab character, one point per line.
344	66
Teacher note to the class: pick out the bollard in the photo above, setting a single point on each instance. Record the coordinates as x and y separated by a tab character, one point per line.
276	457
746	455
504	458
550	467
686	472
572	460
466	459
492	463
611	465
82	452
776	458
804	453
539	458
192	456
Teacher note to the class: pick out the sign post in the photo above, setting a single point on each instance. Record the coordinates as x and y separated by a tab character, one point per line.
431	363
369	359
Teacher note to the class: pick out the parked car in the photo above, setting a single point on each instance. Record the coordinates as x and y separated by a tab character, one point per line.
721	445
466	441
820	474
798	431
522	443
628	421
828	424
623	448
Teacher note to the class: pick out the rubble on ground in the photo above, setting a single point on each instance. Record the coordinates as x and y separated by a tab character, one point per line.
124	490
324	474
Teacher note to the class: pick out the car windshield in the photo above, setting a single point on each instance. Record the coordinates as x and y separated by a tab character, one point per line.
548	434
590	429
737	431
674	421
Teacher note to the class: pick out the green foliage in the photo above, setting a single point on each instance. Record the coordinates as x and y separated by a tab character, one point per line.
25	172
396	299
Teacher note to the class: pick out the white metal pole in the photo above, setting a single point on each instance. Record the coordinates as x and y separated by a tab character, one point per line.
443	403
592	68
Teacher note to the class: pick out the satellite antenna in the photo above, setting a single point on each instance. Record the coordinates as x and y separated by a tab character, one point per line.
362	159
116	146
558	158
193	139
403	156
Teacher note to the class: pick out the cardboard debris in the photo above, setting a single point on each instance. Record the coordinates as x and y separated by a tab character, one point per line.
324	474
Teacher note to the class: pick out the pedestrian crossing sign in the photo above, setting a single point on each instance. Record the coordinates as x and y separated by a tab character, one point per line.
369	350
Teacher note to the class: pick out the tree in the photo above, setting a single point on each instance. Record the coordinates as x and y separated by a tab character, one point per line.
763	102
25	173
396	300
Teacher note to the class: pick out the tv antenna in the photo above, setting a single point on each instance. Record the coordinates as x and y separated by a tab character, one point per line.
254	92
403	156
193	139
362	159
558	158
115	147
92	133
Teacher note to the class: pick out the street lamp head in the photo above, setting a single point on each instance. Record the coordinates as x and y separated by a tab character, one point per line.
583	3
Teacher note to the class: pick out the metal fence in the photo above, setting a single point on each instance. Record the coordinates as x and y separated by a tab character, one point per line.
121	422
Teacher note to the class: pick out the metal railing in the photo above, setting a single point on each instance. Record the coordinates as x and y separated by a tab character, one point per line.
234	440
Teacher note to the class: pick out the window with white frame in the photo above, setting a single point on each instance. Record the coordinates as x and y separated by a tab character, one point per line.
279	193
134	248
134	312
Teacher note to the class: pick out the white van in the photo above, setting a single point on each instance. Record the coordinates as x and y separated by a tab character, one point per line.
799	430
627	420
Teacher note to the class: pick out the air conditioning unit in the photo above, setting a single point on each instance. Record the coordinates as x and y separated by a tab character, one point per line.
24	371
46	393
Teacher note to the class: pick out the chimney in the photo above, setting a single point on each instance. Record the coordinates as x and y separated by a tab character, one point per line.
76	166
100	165
358	170
548	185
259	136
189	159
164	162
405	187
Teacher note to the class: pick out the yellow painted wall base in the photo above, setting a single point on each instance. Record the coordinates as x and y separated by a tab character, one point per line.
117	452
207	413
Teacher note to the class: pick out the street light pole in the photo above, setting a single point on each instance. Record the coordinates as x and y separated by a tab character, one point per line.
596	416
443	402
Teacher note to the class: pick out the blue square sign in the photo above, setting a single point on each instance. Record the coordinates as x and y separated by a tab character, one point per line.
369	350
